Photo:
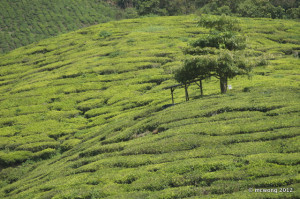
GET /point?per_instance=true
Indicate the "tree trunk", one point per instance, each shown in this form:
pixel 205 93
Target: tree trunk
pixel 130 4
pixel 223 84
pixel 172 90
pixel 201 89
pixel 186 7
pixel 186 93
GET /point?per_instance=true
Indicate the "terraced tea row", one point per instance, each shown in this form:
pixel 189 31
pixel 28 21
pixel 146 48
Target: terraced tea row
pixel 25 22
pixel 85 115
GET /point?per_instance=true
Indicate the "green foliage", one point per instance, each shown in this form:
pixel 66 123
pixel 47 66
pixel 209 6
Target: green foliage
pixel 34 147
pixel 223 23
pixel 105 34
pixel 224 64
pixel 293 13
pixel 69 144
pixel 25 22
pixel 194 68
pixel 130 13
pixel 260 8
pixel 248 8
pixel 223 40
pixel 12 158
pixel 76 122
pixel 44 154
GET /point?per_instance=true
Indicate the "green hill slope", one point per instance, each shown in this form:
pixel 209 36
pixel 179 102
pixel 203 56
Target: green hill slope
pixel 26 21
pixel 83 116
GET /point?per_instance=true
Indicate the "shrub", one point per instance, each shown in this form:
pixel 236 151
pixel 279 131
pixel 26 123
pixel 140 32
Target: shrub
pixel 257 8
pixel 131 41
pixel 12 158
pixel 130 13
pixel 90 104
pixel 157 181
pixel 69 144
pixel 294 13
pixel 105 34
pixel 44 154
pixel 38 146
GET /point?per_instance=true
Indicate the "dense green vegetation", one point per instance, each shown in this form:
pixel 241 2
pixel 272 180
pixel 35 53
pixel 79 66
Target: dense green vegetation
pixel 23 22
pixel 83 115
pixel 217 54
pixel 245 8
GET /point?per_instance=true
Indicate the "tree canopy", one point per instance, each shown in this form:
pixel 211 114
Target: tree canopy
pixel 245 8
pixel 218 54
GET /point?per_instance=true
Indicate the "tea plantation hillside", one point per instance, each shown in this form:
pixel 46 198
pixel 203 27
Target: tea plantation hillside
pixel 83 115
pixel 23 22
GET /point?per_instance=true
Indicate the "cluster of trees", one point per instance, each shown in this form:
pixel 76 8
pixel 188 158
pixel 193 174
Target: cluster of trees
pixel 218 54
pixel 244 8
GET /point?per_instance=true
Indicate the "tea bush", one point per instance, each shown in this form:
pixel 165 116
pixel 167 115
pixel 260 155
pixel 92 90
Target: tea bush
pixel 77 122
pixel 44 154
pixel 15 157
pixel 48 20
pixel 69 144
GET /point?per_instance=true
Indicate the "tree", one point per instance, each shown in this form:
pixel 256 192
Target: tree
pixel 217 54
pixel 286 4
pixel 193 70
pixel 260 8
pixel 246 8
pixel 227 65
pixel 124 3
